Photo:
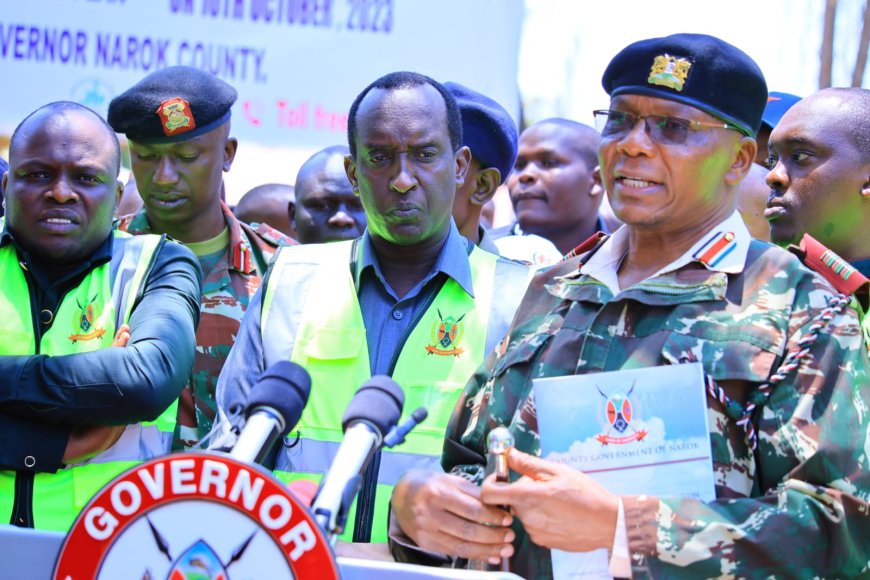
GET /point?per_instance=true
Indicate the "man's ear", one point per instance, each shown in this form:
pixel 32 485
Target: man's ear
pixel 463 162
pixel 744 157
pixel 291 212
pixel 486 184
pixel 597 187
pixel 230 148
pixel 350 170
pixel 119 193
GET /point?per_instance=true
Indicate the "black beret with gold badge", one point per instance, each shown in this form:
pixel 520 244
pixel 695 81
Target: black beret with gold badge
pixel 172 104
pixel 695 69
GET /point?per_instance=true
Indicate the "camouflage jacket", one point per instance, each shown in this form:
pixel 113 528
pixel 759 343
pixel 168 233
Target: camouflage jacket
pixel 806 486
pixel 227 288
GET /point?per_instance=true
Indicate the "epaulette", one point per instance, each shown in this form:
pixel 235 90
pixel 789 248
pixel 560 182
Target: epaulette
pixel 273 236
pixel 837 271
pixel 587 245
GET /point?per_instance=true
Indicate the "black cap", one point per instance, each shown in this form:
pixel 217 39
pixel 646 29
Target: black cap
pixel 172 104
pixel 695 69
pixel 487 129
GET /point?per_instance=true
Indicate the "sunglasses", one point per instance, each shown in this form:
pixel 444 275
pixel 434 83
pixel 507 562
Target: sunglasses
pixel 662 129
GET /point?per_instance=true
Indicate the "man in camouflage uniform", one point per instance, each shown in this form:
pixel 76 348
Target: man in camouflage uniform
pixel 682 281
pixel 177 121
pixel 820 185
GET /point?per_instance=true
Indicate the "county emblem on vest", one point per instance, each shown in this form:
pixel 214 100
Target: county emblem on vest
pixel 446 336
pixel 84 325
pixel 619 414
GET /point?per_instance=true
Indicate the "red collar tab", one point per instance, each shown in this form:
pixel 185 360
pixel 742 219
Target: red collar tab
pixel 832 267
pixel 240 248
pixel 716 248
pixel 585 246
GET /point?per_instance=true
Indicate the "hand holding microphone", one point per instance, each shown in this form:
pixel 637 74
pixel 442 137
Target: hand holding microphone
pixel 499 443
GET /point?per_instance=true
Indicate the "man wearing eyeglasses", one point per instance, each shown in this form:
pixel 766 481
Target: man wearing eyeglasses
pixel 682 281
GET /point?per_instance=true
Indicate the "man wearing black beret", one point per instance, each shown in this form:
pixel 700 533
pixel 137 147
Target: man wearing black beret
pixel 177 121
pixel 489 131
pixel 784 369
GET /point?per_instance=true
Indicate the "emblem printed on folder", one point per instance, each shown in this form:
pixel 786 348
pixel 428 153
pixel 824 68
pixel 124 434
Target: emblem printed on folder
pixel 669 71
pixel 620 415
pixel 446 336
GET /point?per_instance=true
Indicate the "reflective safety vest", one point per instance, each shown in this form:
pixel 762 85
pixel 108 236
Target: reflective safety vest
pixel 85 321
pixel 311 315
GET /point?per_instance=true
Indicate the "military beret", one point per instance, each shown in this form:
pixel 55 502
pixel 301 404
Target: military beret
pixel 487 129
pixel 695 69
pixel 172 104
pixel 777 105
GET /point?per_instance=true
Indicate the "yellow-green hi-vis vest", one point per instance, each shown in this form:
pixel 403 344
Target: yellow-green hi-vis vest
pixel 85 321
pixel 311 315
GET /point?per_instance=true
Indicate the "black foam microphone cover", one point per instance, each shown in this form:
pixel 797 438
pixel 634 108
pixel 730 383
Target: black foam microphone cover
pixel 285 387
pixel 378 401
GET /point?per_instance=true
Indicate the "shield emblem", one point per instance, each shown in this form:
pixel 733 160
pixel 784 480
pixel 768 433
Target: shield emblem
pixel 618 409
pixel 198 562
pixel 446 332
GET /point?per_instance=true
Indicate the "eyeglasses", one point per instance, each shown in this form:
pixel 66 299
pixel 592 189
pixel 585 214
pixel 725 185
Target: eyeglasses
pixel 662 129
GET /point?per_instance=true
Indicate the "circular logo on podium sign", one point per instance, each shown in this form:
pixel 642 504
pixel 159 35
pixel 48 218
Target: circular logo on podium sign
pixel 195 515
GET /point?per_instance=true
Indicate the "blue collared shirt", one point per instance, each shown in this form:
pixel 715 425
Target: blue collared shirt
pixel 389 320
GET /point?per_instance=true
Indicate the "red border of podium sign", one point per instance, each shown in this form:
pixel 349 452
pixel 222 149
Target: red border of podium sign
pixel 200 477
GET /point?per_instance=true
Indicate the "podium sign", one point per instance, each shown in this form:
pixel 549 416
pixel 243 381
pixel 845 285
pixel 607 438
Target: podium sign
pixel 195 514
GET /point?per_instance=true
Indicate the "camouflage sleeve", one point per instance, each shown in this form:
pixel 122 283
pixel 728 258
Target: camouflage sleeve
pixel 808 511
pixel 243 367
pixel 460 455
pixel 491 398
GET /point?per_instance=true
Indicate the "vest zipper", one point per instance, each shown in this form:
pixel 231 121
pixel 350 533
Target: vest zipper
pixel 22 505
pixel 365 502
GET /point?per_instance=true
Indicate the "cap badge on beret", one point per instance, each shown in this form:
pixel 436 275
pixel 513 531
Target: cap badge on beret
pixel 669 71
pixel 175 116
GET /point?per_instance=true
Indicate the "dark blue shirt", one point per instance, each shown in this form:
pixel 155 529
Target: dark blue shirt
pixel 388 319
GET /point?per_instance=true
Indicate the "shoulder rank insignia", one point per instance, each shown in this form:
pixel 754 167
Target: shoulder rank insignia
pixel 446 336
pixel 716 248
pixel 587 245
pixel 273 236
pixel 832 267
pixel 669 71
pixel 175 116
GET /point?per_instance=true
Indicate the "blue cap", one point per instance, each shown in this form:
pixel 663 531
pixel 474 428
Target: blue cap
pixel 777 105
pixel 487 129
pixel 172 104
pixel 702 71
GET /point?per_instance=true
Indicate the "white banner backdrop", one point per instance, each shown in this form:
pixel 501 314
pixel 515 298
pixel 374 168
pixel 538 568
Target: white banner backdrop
pixel 297 64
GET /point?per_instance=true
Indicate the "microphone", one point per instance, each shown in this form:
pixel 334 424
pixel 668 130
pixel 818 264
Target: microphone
pixel 372 413
pixel 396 436
pixel 274 407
